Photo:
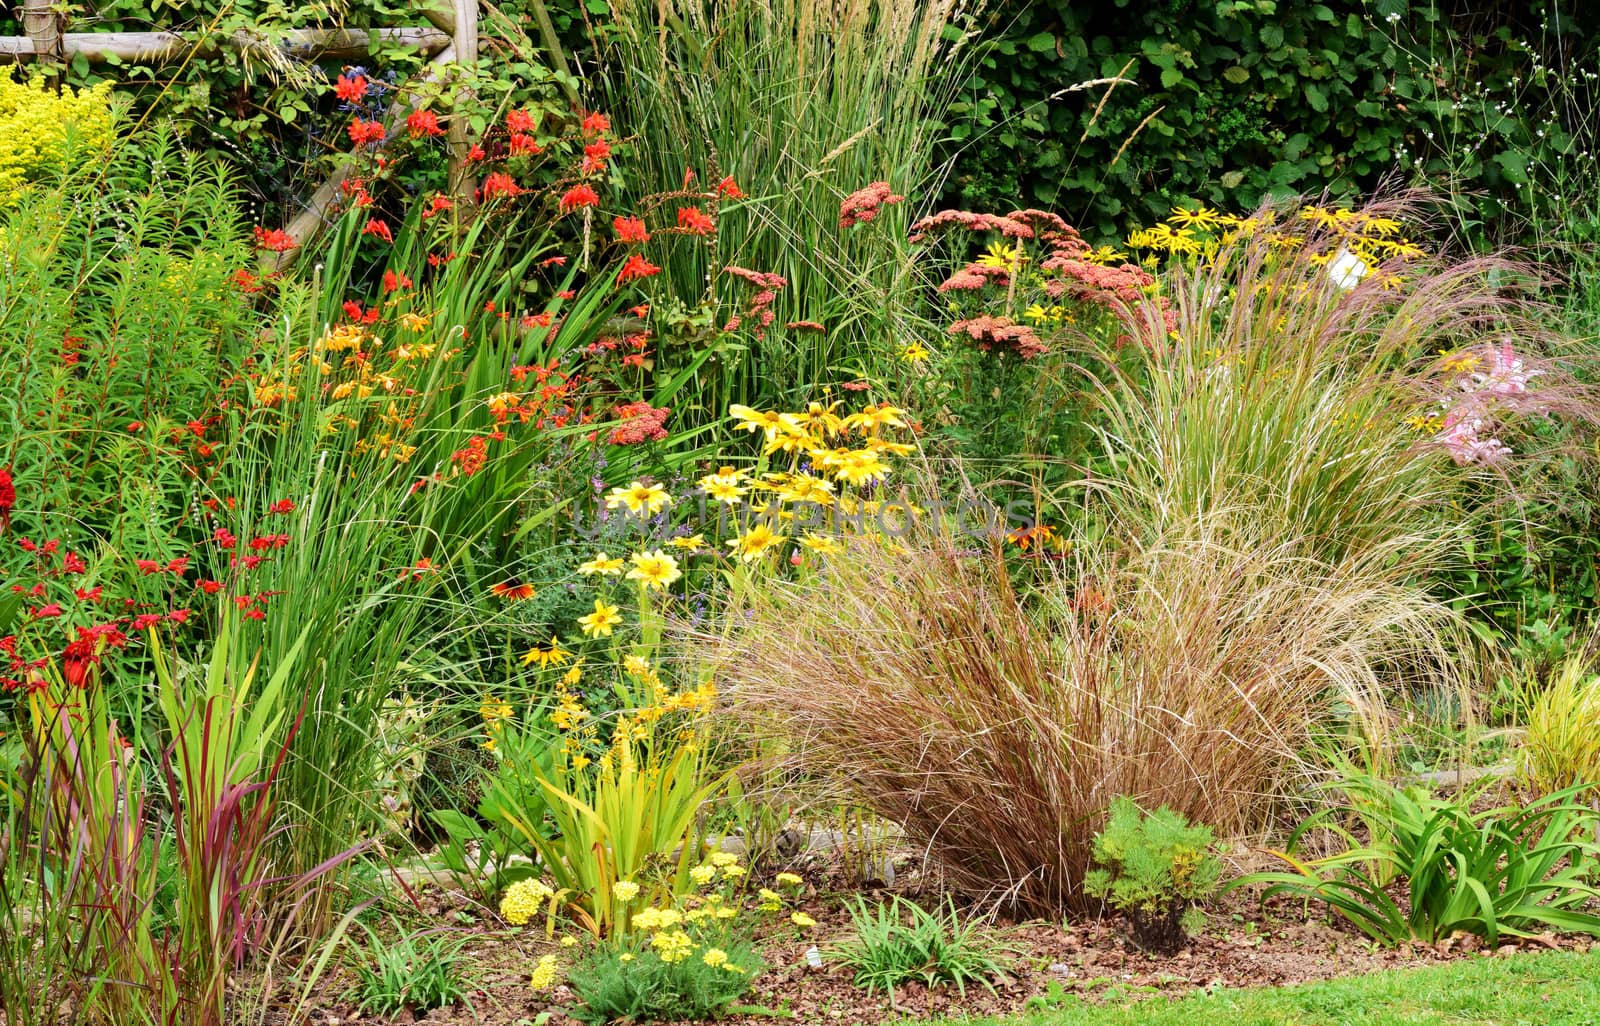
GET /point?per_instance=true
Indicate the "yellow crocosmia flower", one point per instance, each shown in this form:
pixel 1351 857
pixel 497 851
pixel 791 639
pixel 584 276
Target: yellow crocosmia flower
pixel 754 543
pixel 493 709
pixel 769 422
pixel 555 655
pixel 639 498
pixel 414 321
pixel 601 564
pixel 600 622
pixel 503 403
pixel 654 569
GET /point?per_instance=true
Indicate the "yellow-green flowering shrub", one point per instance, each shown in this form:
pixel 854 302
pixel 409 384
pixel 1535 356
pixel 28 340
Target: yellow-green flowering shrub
pixel 38 128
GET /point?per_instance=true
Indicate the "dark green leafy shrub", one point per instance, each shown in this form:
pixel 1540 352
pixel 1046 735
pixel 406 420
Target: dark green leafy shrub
pixel 900 942
pixel 1229 102
pixel 1154 869
pixel 1516 870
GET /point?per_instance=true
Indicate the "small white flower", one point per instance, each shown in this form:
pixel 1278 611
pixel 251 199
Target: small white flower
pixel 1346 269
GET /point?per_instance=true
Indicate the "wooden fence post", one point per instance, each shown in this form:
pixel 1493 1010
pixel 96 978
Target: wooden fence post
pixel 466 48
pixel 43 27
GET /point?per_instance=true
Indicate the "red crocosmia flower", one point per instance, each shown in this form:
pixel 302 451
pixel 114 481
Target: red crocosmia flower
pixel 203 449
pixel 135 426
pixel 145 621
pixel 178 566
pixel 246 281
pixel 269 541
pixel 352 309
pixel 282 506
pixel 178 616
pixel 630 229
pixel 72 563
pixel 423 122
pixel 244 601
pixel 248 562
pixel 27 546
pixel 439 203
pixel 595 156
pixel 378 227
pixel 539 320
pixel 694 221
pixel 436 261
pixel 688 177
pixel 566 294
pixel 579 196
pixel 148 566
pixel 88 594
pixel 47 611
pixel 209 587
pixel 634 268
pixel 500 184
pixel 224 537
pixel 476 153
pixel 255 614
pixel 365 132
pixel 641 311
pixel 519 121
pixel 8 498
pixel 394 282
pixel 555 261
pixel 524 145
pixel 350 88
pixel 596 123
pixel 729 188
pixel 275 239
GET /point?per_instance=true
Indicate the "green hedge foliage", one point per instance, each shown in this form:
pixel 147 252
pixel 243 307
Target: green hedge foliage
pixel 1228 101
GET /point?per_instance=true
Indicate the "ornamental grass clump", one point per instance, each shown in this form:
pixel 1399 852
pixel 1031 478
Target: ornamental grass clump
pixel 996 728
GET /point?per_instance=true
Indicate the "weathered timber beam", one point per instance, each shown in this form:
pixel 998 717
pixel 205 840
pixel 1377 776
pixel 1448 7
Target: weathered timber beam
pixel 160 47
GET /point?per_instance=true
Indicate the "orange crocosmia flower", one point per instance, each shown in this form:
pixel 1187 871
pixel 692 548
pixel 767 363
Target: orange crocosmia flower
pixel 350 88
pixel 365 132
pixel 500 184
pixel 423 122
pixel 634 268
pixel 378 227
pixel 275 239
pixel 579 196
pixel 519 121
pixel 596 123
pixel 476 153
pixel 524 145
pixel 555 261
pixel 595 156
pixel 512 590
pixel 630 229
pixel 695 222
pixel 729 188
pixel 394 282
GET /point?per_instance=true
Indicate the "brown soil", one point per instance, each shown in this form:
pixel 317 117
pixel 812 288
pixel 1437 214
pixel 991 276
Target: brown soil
pixel 1244 944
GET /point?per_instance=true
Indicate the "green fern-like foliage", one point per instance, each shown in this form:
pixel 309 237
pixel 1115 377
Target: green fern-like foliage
pixel 1154 869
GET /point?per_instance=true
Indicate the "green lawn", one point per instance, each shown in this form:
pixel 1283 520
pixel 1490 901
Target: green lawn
pixel 1552 989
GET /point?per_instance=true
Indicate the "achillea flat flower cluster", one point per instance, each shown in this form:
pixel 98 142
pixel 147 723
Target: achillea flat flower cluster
pixel 864 205
pixel 641 422
pixel 1000 333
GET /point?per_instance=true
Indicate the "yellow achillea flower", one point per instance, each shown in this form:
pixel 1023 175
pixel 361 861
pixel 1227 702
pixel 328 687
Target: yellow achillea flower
pixel 625 890
pixel 544 974
pixel 714 957
pixel 802 920
pixel 672 947
pixel 522 900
